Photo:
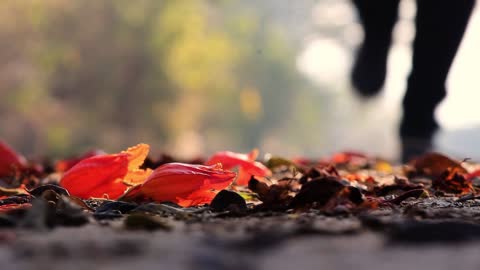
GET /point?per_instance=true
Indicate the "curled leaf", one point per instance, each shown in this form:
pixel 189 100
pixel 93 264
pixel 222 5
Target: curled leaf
pixel 453 180
pixel 435 164
pixel 319 190
pixel 414 193
pixel 184 184
pixel 276 196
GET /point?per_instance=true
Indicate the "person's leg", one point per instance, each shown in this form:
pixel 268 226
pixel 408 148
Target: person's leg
pixel 377 18
pixel 440 26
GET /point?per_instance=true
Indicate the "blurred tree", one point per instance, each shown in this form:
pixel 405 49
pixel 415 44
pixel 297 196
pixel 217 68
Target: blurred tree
pixel 181 74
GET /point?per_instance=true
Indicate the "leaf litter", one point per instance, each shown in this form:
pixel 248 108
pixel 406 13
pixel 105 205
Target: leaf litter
pixel 349 192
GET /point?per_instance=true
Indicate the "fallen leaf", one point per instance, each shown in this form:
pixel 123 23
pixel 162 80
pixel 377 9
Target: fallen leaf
pixel 453 181
pixel 435 164
pixel 319 190
pixel 321 171
pixel 400 185
pixel 38 191
pixel 274 196
pixel 414 193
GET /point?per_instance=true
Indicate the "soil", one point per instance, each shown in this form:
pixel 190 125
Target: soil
pixel 432 233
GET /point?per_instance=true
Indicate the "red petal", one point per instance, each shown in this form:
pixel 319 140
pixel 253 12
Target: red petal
pixel 245 161
pixel 66 164
pixel 10 160
pixel 243 177
pixel 348 157
pixel 256 168
pixel 111 190
pixel 136 155
pixel 229 159
pixel 196 198
pixel 473 174
pixel 97 176
pixel 185 184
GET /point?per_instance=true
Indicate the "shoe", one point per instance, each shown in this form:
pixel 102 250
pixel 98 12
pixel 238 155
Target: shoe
pixel 413 147
pixel 417 132
pixel 369 69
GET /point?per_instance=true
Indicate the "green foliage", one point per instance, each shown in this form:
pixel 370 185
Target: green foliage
pixel 113 73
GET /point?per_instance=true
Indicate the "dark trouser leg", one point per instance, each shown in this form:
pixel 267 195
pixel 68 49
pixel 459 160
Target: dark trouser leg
pixel 377 18
pixel 440 26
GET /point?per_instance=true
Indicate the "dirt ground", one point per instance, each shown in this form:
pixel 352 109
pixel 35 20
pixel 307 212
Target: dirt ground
pixel 102 248
pixel 421 234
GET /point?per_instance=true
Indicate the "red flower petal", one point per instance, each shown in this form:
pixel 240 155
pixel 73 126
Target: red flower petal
pixel 136 155
pixel 196 198
pixel 10 161
pixel 97 176
pixel 66 164
pixel 348 157
pixel 243 177
pixel 185 184
pixel 246 162
pixel 473 174
pixel 231 159
pixel 107 175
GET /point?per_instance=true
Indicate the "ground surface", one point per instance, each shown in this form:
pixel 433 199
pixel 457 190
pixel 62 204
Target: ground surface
pixel 361 213
pixel 384 238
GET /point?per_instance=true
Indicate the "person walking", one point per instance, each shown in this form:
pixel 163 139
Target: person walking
pixel 440 26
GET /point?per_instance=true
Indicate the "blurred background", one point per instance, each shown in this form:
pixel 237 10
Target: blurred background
pixel 193 77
